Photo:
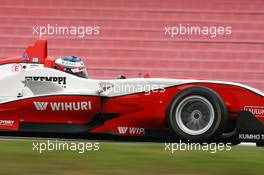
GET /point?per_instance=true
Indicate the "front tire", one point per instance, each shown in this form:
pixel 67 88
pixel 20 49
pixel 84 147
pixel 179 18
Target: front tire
pixel 197 114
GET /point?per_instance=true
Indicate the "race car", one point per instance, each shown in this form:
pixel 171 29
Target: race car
pixel 39 93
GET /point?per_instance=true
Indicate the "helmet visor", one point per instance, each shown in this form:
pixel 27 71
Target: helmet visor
pixel 80 72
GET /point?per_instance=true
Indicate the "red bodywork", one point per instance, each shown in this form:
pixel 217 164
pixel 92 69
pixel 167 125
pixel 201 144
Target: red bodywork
pixel 143 111
pixel 136 111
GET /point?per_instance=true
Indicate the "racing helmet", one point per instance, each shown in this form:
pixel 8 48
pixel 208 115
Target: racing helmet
pixel 72 65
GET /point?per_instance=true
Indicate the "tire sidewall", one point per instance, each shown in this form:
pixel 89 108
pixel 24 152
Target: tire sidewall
pixel 220 114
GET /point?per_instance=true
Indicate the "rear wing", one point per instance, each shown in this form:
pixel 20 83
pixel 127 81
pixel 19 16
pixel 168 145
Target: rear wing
pixel 37 53
pixel 34 56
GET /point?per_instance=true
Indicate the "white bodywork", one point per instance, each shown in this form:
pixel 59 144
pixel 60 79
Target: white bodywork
pixel 35 80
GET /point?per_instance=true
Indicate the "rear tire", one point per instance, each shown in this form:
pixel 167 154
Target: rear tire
pixel 197 114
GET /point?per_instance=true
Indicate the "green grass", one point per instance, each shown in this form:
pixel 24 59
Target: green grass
pixel 17 157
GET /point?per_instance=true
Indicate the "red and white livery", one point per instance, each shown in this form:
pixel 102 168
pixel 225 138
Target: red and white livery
pixel 36 96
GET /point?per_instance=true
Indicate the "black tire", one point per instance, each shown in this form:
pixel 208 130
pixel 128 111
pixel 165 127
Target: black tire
pixel 211 104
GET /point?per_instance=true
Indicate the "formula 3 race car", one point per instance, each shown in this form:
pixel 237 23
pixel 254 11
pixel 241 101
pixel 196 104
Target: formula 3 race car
pixel 41 94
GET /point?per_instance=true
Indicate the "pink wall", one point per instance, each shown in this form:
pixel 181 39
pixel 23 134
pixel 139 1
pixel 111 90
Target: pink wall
pixel 132 36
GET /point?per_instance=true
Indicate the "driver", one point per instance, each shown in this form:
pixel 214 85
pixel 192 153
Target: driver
pixel 72 65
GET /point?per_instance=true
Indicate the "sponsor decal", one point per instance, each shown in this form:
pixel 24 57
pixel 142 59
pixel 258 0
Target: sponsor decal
pixel 131 130
pixel 41 106
pixel 59 80
pixel 7 122
pixel 32 66
pixel 258 111
pixel 16 67
pixel 251 137
pixel 122 130
pixel 67 63
pixel 63 106
pixel 25 56
pixel 35 60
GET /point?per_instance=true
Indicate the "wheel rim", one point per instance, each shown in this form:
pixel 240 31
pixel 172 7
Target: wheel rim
pixel 195 115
